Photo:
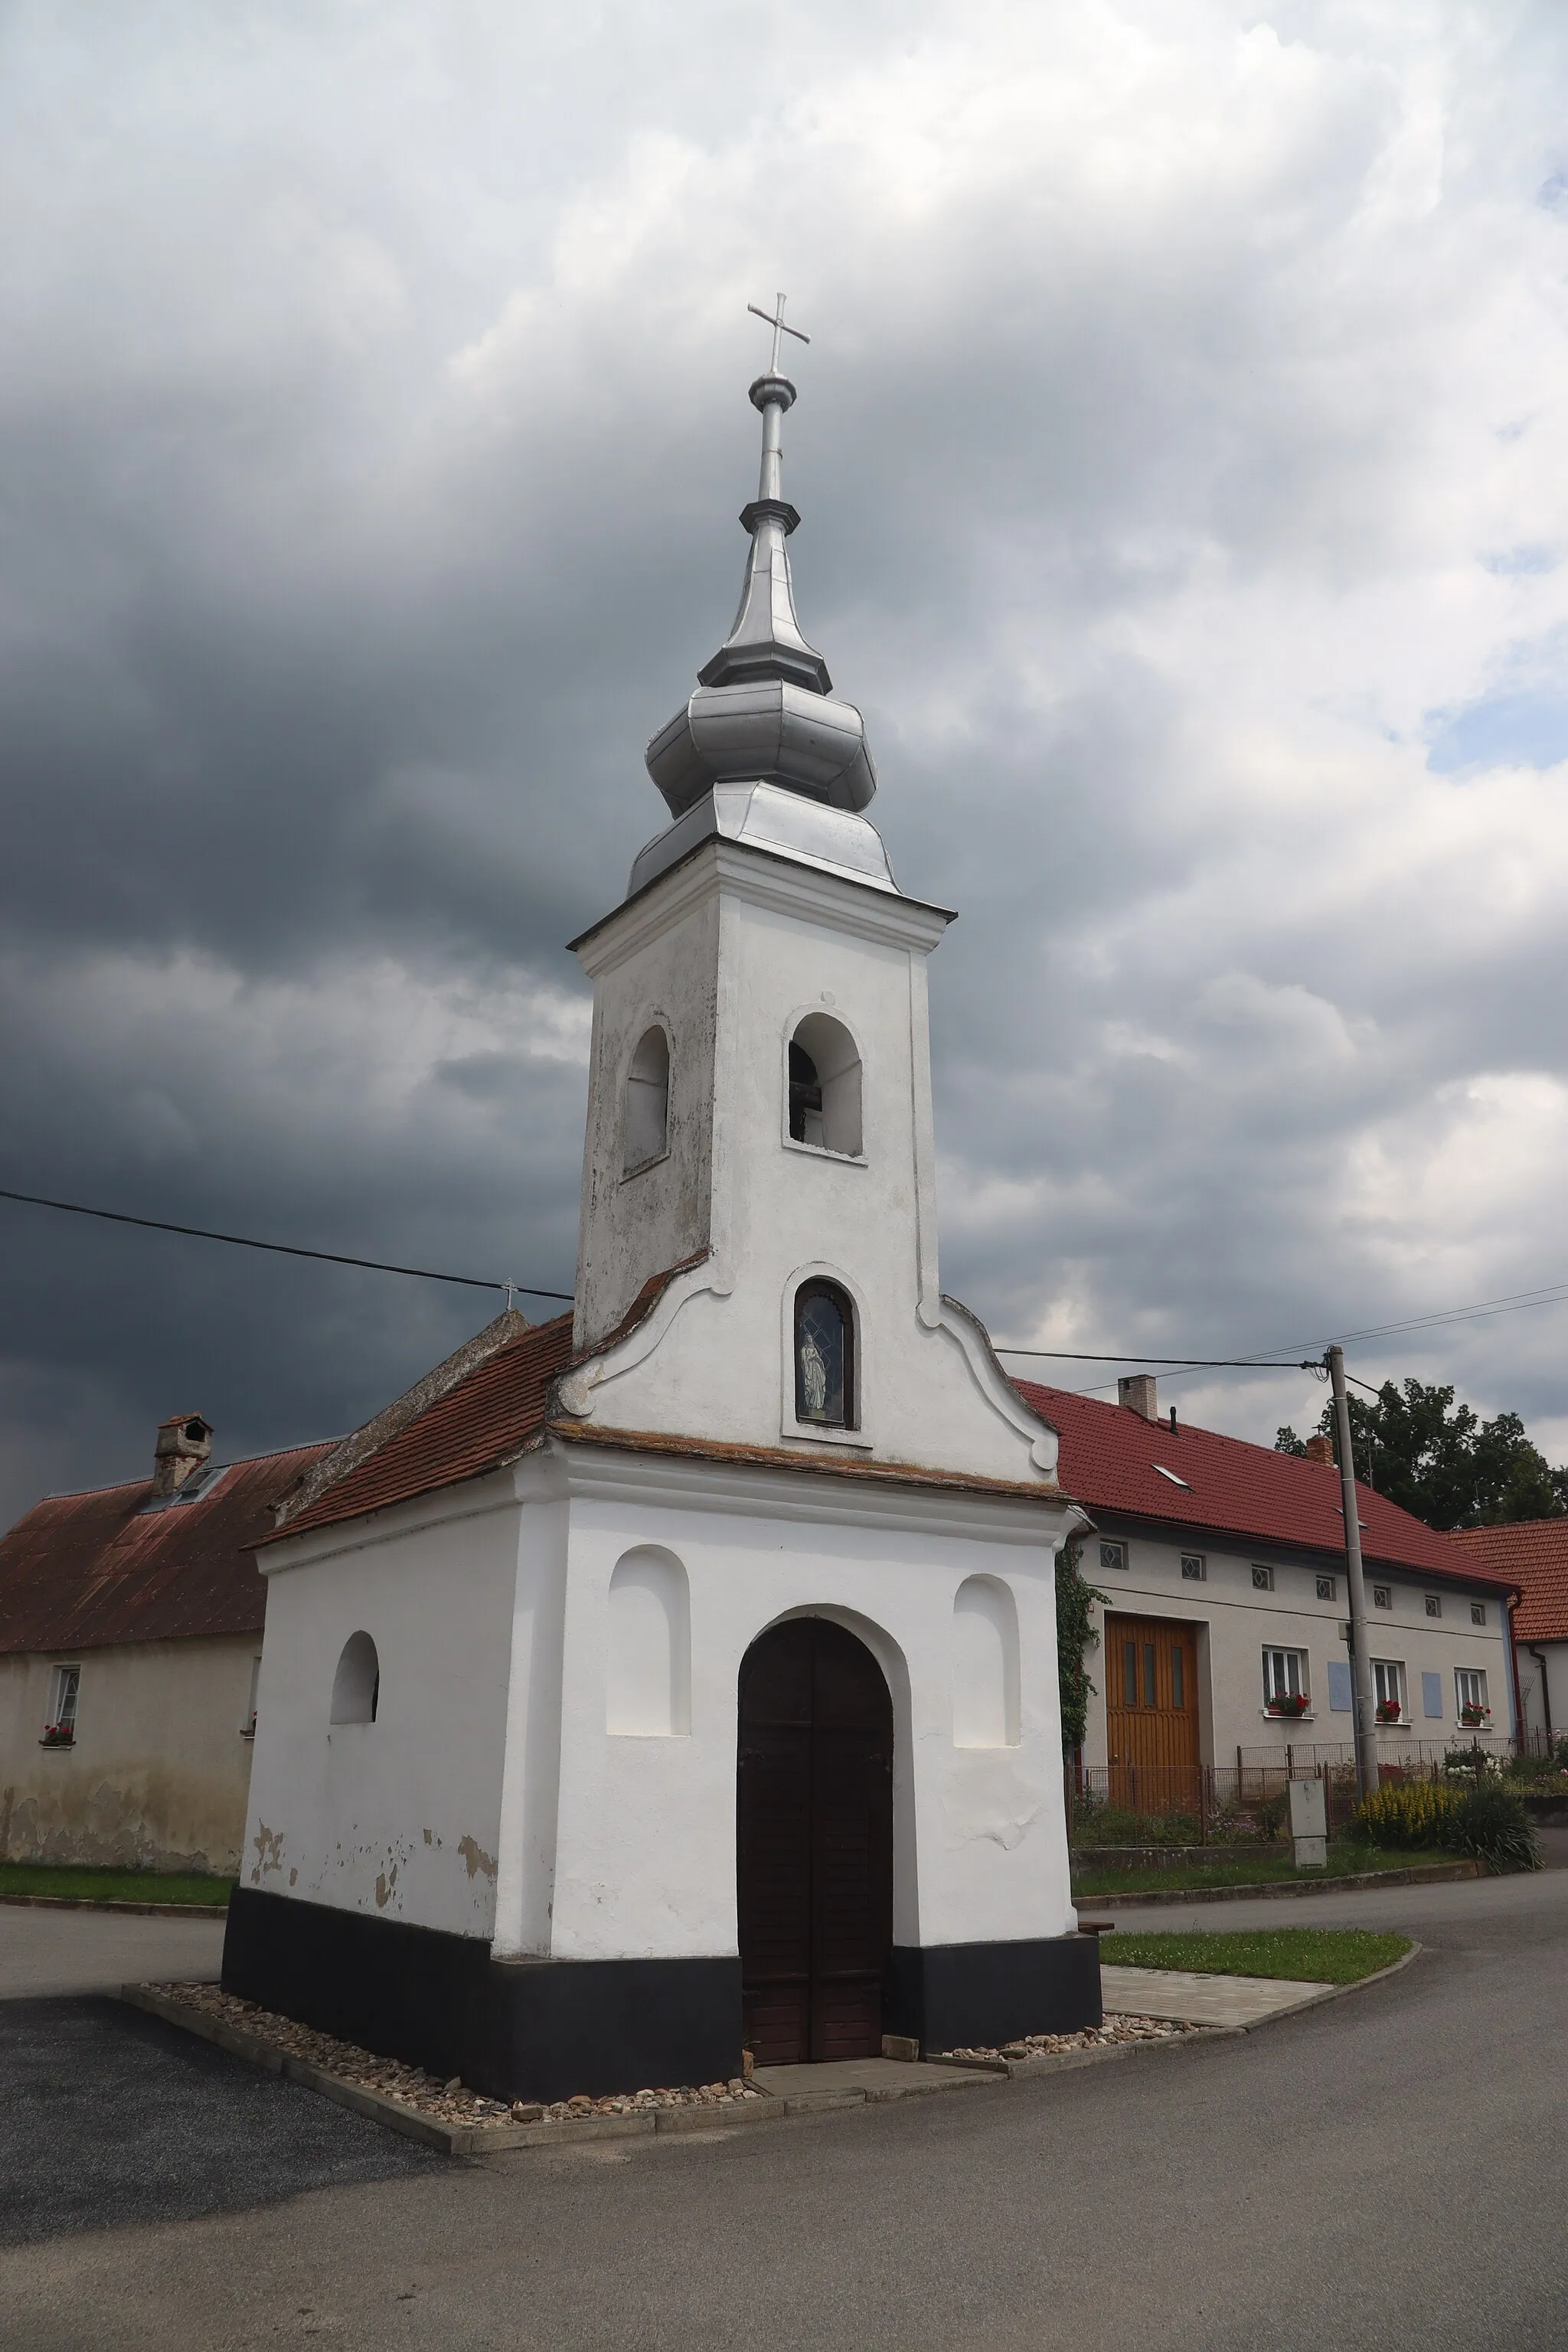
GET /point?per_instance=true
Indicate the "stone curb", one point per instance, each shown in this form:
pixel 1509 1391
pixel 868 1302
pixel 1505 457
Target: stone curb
pixel 106 1902
pixel 449 2139
pixel 489 2139
pixel 1431 1873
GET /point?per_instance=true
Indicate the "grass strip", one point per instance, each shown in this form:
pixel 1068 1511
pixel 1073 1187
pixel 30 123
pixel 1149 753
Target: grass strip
pixel 1337 1956
pixel 88 1885
pixel 1345 1860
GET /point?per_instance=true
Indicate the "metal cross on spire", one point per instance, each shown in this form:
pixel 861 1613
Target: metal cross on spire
pixel 775 320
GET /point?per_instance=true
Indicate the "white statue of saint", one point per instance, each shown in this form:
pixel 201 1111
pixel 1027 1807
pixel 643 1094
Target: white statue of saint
pixel 812 1376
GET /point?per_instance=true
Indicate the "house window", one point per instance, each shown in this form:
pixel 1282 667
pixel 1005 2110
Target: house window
pixel 1285 1681
pixel 1383 1596
pixel 1388 1689
pixel 823 1087
pixel 1434 1604
pixel 1325 1588
pixel 824 1356
pixel 1129 1674
pixel 1263 1580
pixel 1478 1612
pixel 1470 1697
pixel 1194 1568
pixel 646 1132
pixel 60 1732
pixel 1112 1555
pixel 247 1729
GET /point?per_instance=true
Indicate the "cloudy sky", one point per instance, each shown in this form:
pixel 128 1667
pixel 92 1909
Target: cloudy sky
pixel 1180 450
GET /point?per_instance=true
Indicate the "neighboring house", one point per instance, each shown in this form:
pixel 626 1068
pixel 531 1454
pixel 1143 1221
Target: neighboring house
pixel 131 1627
pixel 1222 1632
pixel 1533 1554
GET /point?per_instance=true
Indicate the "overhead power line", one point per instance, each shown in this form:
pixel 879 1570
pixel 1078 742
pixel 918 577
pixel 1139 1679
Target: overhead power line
pixel 285 1249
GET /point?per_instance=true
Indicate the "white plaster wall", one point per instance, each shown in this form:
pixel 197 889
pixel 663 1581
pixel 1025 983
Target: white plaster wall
pixel 633 1226
pixel 646 1826
pixel 401 1817
pixel 158 1774
pixel 1235 1622
pixel 1554 1658
pixel 721 1368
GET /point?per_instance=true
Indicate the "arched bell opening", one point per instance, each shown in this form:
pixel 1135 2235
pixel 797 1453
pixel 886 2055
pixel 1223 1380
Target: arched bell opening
pixel 814 1844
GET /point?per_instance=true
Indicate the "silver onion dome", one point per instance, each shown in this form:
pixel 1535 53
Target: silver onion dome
pixel 764 711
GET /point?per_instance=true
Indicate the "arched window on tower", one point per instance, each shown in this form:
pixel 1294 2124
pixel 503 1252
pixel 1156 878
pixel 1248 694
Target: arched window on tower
pixel 824 1086
pixel 647 1125
pixel 356 1685
pixel 824 1356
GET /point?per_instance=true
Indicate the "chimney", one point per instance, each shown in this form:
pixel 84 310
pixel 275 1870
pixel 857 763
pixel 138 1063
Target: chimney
pixel 1137 1393
pixel 1321 1449
pixel 185 1442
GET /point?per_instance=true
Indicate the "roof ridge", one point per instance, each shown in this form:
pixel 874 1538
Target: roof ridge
pixel 503 1331
pixel 231 1461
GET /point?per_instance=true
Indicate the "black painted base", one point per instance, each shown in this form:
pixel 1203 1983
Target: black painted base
pixel 978 1996
pixel 512 2029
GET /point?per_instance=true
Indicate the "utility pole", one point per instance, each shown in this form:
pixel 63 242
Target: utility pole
pixel 1365 1717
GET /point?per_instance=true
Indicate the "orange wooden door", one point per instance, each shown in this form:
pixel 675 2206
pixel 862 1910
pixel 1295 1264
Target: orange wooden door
pixel 1151 1714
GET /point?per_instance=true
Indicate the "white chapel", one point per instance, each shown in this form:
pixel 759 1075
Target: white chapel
pixel 679 1676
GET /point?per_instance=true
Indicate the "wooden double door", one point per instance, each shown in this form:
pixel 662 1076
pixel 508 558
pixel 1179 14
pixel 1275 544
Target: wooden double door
pixel 1151 1714
pixel 815 1840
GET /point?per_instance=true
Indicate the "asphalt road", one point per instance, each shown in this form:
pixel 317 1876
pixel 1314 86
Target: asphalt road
pixel 45 1951
pixel 1391 2167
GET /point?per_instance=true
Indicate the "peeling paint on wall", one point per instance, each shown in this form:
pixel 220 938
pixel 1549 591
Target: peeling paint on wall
pixel 475 1857
pixel 269 1844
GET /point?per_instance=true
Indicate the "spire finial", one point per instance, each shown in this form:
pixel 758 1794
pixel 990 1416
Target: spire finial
pixel 763 711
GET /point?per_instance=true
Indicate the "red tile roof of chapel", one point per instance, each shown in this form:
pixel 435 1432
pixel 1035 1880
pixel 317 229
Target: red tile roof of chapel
pixel 1115 1461
pixel 487 1418
pixel 1532 1554
pixel 86 1572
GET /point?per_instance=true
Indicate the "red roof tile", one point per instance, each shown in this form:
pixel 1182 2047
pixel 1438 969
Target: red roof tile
pixel 1112 1460
pixel 1532 1554
pixel 485 1420
pixel 84 1571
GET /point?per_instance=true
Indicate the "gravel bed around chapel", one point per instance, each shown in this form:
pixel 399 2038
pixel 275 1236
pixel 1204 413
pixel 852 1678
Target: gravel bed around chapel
pixel 447 2102
pixel 1117 2029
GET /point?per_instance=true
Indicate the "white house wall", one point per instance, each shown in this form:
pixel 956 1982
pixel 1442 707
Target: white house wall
pixel 1235 1623
pixel 399 1817
pixel 1553 1657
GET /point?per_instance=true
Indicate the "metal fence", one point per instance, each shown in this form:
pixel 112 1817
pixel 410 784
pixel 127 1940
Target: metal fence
pixel 1246 1802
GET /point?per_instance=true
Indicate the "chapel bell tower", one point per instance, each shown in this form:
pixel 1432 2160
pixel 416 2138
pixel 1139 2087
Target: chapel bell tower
pixel 757 1261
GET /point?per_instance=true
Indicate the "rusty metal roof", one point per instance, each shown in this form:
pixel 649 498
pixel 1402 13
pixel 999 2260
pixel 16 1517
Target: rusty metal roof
pixel 86 1572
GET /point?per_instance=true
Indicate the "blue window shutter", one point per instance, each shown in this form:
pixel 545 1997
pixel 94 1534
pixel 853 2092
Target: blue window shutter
pixel 1339 1687
pixel 1432 1696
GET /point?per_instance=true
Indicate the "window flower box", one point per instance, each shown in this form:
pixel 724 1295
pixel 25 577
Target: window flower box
pixel 1475 1718
pixel 1389 1710
pixel 1293 1704
pixel 58 1735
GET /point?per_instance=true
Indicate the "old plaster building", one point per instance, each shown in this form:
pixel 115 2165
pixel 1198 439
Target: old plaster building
pixel 130 1624
pixel 1534 1553
pixel 683 1673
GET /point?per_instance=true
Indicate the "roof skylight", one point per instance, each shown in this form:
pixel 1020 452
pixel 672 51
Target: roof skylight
pixel 1173 1478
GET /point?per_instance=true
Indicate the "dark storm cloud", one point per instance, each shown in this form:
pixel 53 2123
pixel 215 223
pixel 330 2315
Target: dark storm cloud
pixel 371 440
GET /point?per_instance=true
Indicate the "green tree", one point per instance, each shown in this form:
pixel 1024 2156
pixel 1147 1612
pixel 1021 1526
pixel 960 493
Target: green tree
pixel 1442 1461
pixel 1076 1637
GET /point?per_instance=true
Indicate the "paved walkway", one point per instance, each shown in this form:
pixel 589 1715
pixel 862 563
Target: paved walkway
pixel 1201 2001
pixel 848 2080
pixel 46 1952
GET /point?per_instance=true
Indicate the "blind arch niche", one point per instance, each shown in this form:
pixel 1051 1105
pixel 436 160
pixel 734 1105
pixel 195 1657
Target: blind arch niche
pixel 984 1664
pixel 647 1679
pixel 356 1685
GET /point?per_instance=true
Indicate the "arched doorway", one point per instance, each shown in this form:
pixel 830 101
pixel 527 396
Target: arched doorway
pixel 815 1844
